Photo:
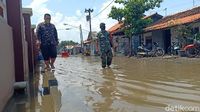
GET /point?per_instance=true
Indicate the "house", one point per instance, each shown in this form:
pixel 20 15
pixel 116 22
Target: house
pixel 69 49
pixel 91 44
pixel 77 49
pixel 137 40
pixel 15 43
pixel 164 30
pixel 7 69
pixel 86 47
pixel 94 44
pixel 119 40
pixel 73 49
pixel 154 17
pixel 123 44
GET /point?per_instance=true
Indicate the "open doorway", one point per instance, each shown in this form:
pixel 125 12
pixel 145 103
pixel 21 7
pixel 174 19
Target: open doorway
pixel 167 39
pixel 149 42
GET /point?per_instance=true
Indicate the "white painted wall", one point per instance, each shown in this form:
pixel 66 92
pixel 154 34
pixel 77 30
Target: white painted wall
pixel 25 51
pixel 7 77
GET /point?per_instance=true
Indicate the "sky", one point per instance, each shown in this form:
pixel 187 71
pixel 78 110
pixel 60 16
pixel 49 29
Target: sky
pixel 72 12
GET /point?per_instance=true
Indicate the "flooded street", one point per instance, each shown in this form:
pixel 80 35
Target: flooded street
pixel 79 84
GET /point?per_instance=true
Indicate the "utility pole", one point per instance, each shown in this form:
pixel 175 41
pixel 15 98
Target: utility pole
pixel 81 33
pixel 88 18
pixel 81 36
pixel 193 3
pixel 165 11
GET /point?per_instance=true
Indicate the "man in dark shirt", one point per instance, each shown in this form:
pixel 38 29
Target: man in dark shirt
pixel 48 39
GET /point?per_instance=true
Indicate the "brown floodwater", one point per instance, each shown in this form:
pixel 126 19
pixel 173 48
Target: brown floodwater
pixel 130 85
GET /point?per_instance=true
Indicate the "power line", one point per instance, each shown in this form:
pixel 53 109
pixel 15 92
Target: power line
pixel 76 27
pixel 104 8
pixel 82 13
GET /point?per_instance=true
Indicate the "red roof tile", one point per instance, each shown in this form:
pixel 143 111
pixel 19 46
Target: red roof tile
pixel 176 19
pixel 116 27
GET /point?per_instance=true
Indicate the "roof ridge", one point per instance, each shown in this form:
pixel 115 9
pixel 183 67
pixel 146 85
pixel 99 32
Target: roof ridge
pixel 178 15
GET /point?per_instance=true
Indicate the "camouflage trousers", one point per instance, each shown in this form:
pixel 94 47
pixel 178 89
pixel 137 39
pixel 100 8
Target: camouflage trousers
pixel 106 58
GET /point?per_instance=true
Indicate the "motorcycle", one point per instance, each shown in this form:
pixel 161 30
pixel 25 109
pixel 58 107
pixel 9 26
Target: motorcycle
pixel 155 52
pixel 192 50
pixel 174 48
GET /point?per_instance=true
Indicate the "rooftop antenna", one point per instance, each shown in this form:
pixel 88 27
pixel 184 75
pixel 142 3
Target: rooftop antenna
pixel 165 11
pixel 193 3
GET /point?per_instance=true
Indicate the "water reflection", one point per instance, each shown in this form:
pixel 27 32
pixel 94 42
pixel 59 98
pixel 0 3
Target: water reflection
pixel 40 96
pixel 50 100
pixel 107 90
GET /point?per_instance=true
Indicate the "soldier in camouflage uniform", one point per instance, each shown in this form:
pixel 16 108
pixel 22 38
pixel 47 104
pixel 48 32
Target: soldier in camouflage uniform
pixel 105 46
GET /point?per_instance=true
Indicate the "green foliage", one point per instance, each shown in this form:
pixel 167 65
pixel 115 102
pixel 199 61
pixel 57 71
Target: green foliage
pixel 186 34
pixel 116 13
pixel 184 31
pixel 62 44
pixel 132 14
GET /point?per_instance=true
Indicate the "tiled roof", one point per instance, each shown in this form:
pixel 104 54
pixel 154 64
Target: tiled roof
pixel 87 41
pixel 176 19
pixel 154 14
pixel 116 27
pixel 120 25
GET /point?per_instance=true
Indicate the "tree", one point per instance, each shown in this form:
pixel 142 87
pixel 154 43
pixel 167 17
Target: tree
pixel 132 14
pixel 184 34
pixel 62 44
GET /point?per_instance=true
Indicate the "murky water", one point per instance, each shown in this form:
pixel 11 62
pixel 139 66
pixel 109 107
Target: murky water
pixel 130 85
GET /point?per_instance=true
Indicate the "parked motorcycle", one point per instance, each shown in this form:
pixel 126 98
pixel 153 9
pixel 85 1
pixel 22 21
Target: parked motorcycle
pixel 156 50
pixel 192 50
pixel 174 48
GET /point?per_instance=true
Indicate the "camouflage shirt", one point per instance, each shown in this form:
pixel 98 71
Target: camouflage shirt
pixel 47 34
pixel 104 41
